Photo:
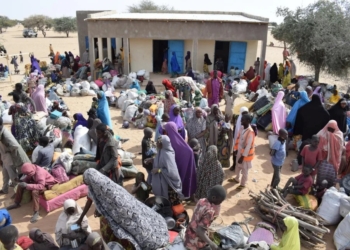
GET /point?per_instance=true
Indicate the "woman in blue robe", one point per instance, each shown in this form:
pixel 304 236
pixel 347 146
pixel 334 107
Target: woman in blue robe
pixel 293 113
pixel 103 110
pixel 175 67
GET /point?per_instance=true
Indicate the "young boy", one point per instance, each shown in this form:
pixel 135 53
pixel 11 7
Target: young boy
pixel 319 190
pixel 230 100
pixel 311 155
pixel 205 212
pixel 196 148
pixel 20 57
pixel 141 188
pixel 147 152
pixel 8 238
pixel 138 117
pixel 301 184
pixel 278 155
pixel 45 154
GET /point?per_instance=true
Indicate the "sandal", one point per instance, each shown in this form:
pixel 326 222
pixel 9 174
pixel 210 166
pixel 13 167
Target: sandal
pixel 240 187
pixel 233 180
pixel 35 217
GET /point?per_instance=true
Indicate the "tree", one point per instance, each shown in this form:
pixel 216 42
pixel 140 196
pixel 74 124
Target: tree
pixel 5 23
pixel 319 36
pixel 148 5
pixel 65 25
pixel 38 23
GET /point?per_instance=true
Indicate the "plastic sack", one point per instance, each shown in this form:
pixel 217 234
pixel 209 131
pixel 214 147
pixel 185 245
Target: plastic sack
pixel 120 100
pixel 81 139
pixel 132 94
pixel 132 75
pixel 59 173
pixel 231 236
pixel 329 208
pixel 129 171
pixel 94 86
pixel 75 91
pixel 141 72
pixel 6 118
pixel 126 104
pixel 85 92
pixel 65 159
pixel 341 235
pixel 240 87
pixel 307 201
pixel 344 206
pixel 85 85
pixel 129 113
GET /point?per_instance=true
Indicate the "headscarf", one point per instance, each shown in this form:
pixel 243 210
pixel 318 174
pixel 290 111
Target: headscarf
pixel 29 169
pixel 93 238
pixel 311 118
pixel 39 98
pixel 238 123
pixel 5 218
pixel 158 117
pixel 278 113
pixel 317 92
pixel 24 242
pixel 35 64
pixel 103 110
pixel 290 238
pixel 297 105
pixel 250 74
pixel 204 103
pixel 150 89
pixel 175 67
pixel 80 120
pixel 267 72
pixel 274 73
pixel 188 55
pixel 184 159
pixel 48 244
pixel 168 86
pixel 168 102
pixel 92 131
pixel 254 84
pixel 207 60
pixel 65 220
pixel 165 160
pixel 129 218
pixel 331 143
pixel 212 125
pixel 338 114
pixel 176 118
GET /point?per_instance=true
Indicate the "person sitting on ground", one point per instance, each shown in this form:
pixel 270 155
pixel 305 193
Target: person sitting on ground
pixel 45 154
pixel 56 106
pixel 150 89
pixel 141 188
pixel 335 97
pixel 206 210
pixel 107 154
pixel 24 98
pixel 37 180
pixel 312 155
pixel 64 232
pixel 5 218
pixel 8 238
pixel 290 238
pixel 319 190
pixel 95 242
pixel 42 241
pixel 278 156
pixel 138 117
pixel 299 185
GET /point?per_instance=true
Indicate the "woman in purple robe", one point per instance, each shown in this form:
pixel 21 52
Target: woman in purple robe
pixel 175 117
pixel 184 160
pixel 35 64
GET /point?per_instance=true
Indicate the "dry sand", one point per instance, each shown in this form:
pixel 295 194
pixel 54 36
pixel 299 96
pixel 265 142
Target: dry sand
pixel 238 204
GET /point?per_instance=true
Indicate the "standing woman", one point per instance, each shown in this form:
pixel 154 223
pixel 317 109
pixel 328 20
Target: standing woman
pixel 65 65
pixel 338 113
pixel 39 98
pixel 207 63
pixel 292 116
pixel 184 160
pixel 165 61
pixel 273 74
pixel 168 101
pixel 166 180
pixel 279 113
pixel 212 122
pixel 196 128
pixel 150 89
pixel 175 117
pixel 188 61
pixel 103 110
pixel 209 173
pixel 175 67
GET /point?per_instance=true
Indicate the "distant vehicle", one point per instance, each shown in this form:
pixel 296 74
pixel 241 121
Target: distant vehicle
pixel 29 33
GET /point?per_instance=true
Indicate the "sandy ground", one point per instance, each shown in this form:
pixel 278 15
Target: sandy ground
pixel 236 207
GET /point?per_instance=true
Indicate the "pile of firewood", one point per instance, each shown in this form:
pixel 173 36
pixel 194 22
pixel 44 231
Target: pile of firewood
pixel 273 208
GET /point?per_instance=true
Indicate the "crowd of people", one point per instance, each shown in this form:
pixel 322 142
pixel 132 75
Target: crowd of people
pixel 184 161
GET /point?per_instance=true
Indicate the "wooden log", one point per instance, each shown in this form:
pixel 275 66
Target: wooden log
pixel 313 238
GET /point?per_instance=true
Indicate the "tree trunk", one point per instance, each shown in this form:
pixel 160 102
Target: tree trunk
pixel 44 33
pixel 317 73
pixel 0 30
pixel 67 33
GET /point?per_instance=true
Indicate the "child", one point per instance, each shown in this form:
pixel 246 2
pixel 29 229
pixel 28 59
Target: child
pixel 230 100
pixel 138 117
pixel 94 103
pixel 20 57
pixel 45 154
pixel 301 184
pixel 141 188
pixel 278 155
pixel 8 238
pixel 225 142
pixel 205 212
pixel 147 148
pixel 196 148
pixel 311 155
pixel 165 119
pixel 320 190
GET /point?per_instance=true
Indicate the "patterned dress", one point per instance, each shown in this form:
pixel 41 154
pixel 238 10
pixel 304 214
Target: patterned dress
pixel 209 172
pixel 204 214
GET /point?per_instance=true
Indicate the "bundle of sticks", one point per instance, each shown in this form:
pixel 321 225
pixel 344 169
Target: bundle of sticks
pixel 273 208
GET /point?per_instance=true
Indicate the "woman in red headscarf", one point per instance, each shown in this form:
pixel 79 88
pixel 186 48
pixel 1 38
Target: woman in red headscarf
pixel 254 84
pixel 250 74
pixel 168 86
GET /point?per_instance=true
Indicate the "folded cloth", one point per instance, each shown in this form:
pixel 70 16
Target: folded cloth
pixel 59 189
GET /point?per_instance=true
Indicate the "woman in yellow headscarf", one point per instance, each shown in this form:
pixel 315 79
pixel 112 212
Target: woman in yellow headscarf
pixel 290 238
pixel 280 71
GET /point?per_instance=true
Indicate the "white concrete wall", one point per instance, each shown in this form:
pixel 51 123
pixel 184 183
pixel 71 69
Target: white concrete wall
pixel 141 54
pixel 205 47
pixel 251 54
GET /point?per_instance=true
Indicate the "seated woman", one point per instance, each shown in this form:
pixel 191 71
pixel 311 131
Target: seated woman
pixel 5 218
pixel 142 229
pixel 175 117
pixel 70 216
pixel 79 120
pixel 42 241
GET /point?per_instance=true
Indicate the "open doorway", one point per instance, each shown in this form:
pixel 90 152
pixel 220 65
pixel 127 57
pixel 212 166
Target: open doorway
pixel 222 50
pixel 158 54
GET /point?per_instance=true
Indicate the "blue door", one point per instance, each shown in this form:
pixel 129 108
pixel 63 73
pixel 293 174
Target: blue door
pixel 113 42
pixel 176 46
pixel 86 42
pixel 237 55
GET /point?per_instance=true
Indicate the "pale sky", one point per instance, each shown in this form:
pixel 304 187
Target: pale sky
pixel 20 9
